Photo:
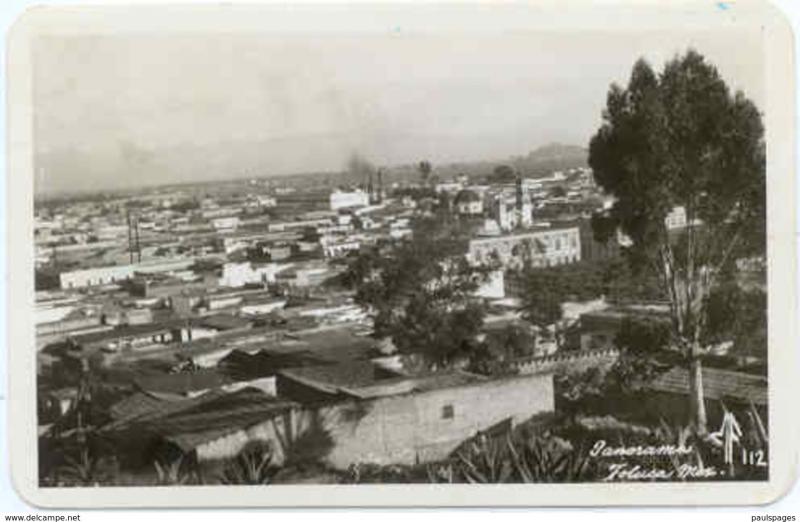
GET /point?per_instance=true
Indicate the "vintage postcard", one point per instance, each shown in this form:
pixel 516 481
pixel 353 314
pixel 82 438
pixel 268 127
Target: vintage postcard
pixel 402 254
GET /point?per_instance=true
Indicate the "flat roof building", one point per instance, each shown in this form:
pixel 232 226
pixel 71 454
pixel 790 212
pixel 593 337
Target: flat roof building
pixel 542 247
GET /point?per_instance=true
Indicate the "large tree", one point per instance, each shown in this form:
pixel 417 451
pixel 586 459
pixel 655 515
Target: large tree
pixel 420 291
pixel 682 139
pixel 543 307
pixel 502 174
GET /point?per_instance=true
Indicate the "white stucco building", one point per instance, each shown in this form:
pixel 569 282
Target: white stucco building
pixel 541 247
pixel 340 199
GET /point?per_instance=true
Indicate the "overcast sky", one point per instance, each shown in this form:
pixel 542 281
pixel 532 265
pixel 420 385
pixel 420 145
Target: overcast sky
pixel 120 111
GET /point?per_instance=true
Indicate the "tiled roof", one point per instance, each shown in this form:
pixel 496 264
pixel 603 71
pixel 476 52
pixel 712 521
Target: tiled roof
pixel 224 322
pixel 217 418
pixel 437 381
pixel 365 379
pixel 717 385
pixel 332 377
pixel 183 383
pixel 191 422
pixel 134 406
pixel 241 365
pixel 141 408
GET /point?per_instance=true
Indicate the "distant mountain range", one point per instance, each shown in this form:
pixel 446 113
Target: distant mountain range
pixel 539 162
pixel 193 166
pixel 554 156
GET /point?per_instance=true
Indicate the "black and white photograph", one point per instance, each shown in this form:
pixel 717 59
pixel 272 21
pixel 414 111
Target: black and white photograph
pixel 402 255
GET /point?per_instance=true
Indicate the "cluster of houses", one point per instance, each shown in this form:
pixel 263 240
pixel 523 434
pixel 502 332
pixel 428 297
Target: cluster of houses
pixel 217 322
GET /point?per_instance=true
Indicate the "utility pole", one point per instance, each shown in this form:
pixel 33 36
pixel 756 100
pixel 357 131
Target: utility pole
pixel 133 238
pixel 138 246
pixel 130 237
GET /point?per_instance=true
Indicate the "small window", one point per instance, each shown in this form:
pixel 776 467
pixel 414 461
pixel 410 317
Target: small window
pixel 447 412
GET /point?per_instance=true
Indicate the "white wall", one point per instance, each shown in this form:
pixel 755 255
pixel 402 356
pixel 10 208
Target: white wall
pixel 340 200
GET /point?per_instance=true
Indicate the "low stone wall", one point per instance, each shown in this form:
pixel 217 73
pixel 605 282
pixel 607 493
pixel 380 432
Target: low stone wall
pixel 567 362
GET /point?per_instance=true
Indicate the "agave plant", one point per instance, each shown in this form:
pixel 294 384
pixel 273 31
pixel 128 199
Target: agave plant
pixel 681 437
pixel 484 462
pixel 369 473
pixel 547 459
pixel 441 473
pixel 175 473
pixel 513 459
pixel 759 427
pixel 82 470
pixel 251 467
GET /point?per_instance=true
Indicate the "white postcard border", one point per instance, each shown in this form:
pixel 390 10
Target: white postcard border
pixel 781 140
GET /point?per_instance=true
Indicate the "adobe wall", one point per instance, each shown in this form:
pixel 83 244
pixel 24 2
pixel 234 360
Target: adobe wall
pixel 414 427
pixel 401 429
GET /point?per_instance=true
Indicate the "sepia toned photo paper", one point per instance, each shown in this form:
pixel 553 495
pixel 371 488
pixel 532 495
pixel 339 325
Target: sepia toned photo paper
pixel 418 254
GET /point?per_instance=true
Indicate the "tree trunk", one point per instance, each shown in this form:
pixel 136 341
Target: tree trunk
pixel 697 405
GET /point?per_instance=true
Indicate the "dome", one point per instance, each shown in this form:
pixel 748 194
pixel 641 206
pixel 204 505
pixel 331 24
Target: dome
pixel 467 196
